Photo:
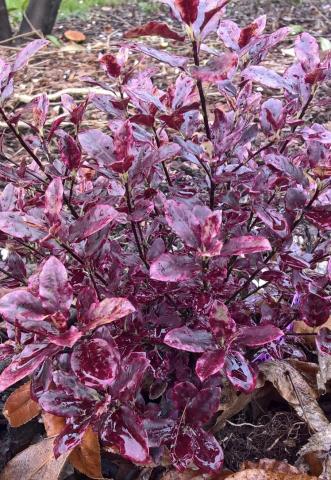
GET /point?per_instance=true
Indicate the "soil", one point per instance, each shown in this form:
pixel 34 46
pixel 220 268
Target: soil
pixel 253 434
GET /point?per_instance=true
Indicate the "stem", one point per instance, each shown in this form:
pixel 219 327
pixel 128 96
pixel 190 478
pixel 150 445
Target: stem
pixel 133 225
pixel 21 140
pixel 163 163
pixel 302 114
pixel 203 104
pixel 12 277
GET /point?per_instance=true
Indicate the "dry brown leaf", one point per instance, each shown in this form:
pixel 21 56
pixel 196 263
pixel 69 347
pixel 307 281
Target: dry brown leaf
pixel 270 465
pixel 53 424
pixel 324 373
pixel 35 463
pixel 75 36
pixel 19 408
pixel 260 474
pixel 301 327
pixel 294 388
pixel 192 475
pixel 317 453
pixel 86 456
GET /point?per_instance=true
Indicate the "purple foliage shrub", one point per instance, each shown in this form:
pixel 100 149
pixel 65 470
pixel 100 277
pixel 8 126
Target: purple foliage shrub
pixel 155 262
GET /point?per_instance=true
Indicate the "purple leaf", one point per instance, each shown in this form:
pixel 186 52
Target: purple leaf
pixel 94 220
pixel 95 362
pixel 274 220
pixel 307 51
pixel 71 154
pixel 209 363
pixel 221 323
pixel 266 77
pixel 98 146
pixel 208 454
pixel 172 60
pixel 258 335
pixel 245 245
pixel 111 65
pixel 272 116
pixel 22 226
pixel 203 406
pixel 21 305
pixel 124 430
pixel 130 377
pixel 323 341
pixel 54 289
pixel 25 363
pixel 27 52
pixel 184 338
pixel 123 148
pixel 173 268
pixel 54 200
pixel 109 310
pixel 314 309
pixel 70 437
pixel 239 372
pixel 220 68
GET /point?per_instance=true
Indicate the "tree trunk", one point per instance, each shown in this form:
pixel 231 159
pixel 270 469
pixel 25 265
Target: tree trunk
pixel 41 14
pixel 5 29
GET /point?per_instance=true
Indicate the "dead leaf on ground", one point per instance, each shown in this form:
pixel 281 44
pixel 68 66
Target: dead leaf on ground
pixel 192 475
pixel 53 424
pixel 294 388
pixel 86 456
pixel 75 36
pixel 270 465
pixel 19 408
pixel 301 327
pixel 35 463
pixel 324 373
pixel 259 474
pixel 317 453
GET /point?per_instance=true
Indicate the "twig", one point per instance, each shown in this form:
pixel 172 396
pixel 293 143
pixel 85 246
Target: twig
pixel 133 225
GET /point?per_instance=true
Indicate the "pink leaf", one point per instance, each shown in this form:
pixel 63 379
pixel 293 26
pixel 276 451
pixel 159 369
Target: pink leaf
pixel 54 199
pixel 184 338
pixel 94 220
pixel 258 335
pixel 109 310
pixel 210 363
pixel 54 289
pixel 26 53
pixel 245 245
pixel 173 268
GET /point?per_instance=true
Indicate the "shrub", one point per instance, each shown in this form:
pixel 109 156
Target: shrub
pixel 162 259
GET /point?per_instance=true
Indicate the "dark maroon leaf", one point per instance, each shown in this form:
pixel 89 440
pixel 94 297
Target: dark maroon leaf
pixel 95 362
pixel 203 406
pixel 258 335
pixel 124 430
pixel 94 220
pixel 130 377
pixel 210 363
pixel 239 372
pixel 221 68
pixel 184 338
pixel 70 437
pixel 123 148
pixel 154 28
pixel 315 310
pixel 25 363
pixel 71 154
pixel 111 65
pixel 208 454
pixel 98 146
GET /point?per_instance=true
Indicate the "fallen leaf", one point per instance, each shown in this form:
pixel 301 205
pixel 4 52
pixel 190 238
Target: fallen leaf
pixel 294 388
pixel 35 463
pixel 75 36
pixel 259 474
pixel 317 454
pixel 270 465
pixel 86 457
pixel 53 424
pixel 19 408
pixel 193 475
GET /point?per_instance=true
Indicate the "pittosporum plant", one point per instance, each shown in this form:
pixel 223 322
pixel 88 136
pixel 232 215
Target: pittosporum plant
pixel 156 262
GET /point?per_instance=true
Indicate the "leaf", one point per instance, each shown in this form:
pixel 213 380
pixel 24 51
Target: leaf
pixel 239 372
pixel 98 146
pixel 19 408
pixel 220 321
pixel 26 53
pixel 188 10
pixel 22 226
pixel 86 457
pixel 94 220
pixel 173 268
pixel 314 309
pixel 246 245
pixel 307 51
pixel 123 148
pixel 54 289
pixel 95 362
pixel 318 449
pixel 123 429
pixel 221 68
pixel 172 60
pixel 210 363
pixel 71 154
pixel 54 200
pixel 111 65
pixel 109 310
pixel 293 387
pixel 260 474
pixel 184 338
pixel 35 463
pixel 53 424
pixel 25 363
pixel 75 36
pixel 258 335
pixel 159 29
pixel 265 77
pixel 21 305
pixel 203 406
